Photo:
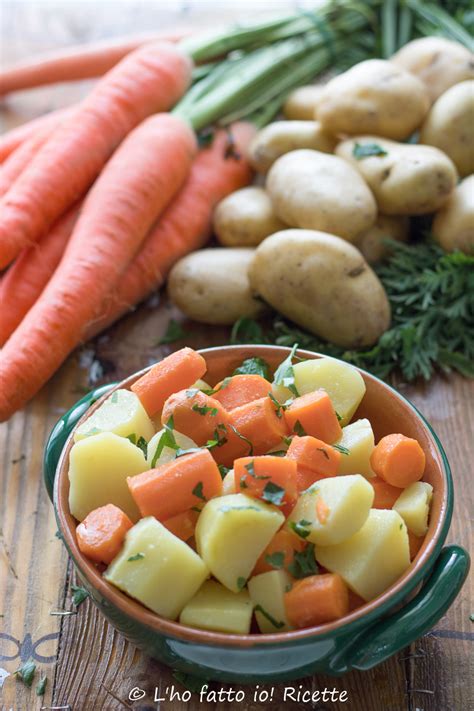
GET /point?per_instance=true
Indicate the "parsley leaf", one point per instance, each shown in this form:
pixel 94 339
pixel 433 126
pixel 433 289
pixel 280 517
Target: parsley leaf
pixel 245 439
pixel 137 556
pixel 26 672
pixel 167 439
pixel 365 150
pixel 241 582
pixel 300 527
pixel 141 442
pixel 284 374
pixel 299 429
pixel 223 470
pixel 197 491
pixel 273 493
pixel 304 563
pixel 250 467
pixel 280 406
pixel 204 409
pixel 253 366
pixel 340 448
pixel 41 686
pixel 276 623
pixel 78 595
pixel 276 560
pixel 174 332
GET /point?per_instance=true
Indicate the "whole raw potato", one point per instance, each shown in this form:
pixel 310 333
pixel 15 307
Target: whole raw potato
pixel 406 179
pixel 439 63
pixel 302 103
pixel 212 286
pixel 245 218
pixel 453 225
pixel 284 136
pixel 450 126
pixel 318 191
pixel 323 284
pixel 374 96
pixel 371 242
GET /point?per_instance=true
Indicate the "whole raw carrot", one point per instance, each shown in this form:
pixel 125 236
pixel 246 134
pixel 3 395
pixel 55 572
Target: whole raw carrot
pixel 148 80
pixel 137 183
pixel 17 161
pixel 12 139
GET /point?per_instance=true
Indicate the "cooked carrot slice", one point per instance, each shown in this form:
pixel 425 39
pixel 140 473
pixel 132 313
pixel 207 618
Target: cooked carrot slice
pixel 398 460
pixel 272 479
pixel 385 494
pixel 195 414
pixel 314 455
pixel 101 534
pixel 241 389
pixel 313 414
pixel 284 544
pixel 183 524
pixel 316 600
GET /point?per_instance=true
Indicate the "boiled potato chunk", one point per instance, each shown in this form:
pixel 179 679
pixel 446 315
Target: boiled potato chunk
pixel 200 385
pixel 373 558
pixel 157 568
pixel 267 592
pixel 218 609
pixel 167 454
pixel 343 383
pixel 98 471
pixel 333 509
pixel 122 413
pixel 358 438
pixel 413 505
pixel 231 533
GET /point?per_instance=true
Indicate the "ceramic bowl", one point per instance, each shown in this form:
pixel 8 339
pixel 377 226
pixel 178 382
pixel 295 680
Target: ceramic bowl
pixel 366 637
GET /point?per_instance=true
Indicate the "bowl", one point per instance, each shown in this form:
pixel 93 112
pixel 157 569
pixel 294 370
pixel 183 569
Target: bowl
pixel 366 637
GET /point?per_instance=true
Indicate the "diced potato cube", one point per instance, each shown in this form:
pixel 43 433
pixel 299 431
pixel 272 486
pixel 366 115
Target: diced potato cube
pixel 232 532
pixel 267 591
pixel 98 471
pixel 343 383
pixel 215 608
pixel 157 568
pixel 333 509
pixel 167 454
pixel 200 385
pixel 373 558
pixel 358 438
pixel 413 505
pixel 123 414
pixel 228 483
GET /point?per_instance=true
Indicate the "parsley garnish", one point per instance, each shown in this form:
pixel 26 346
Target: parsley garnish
pixel 304 563
pixel 223 470
pixel 78 595
pixel 253 366
pixel 141 442
pixel 284 374
pixel 26 672
pixel 167 439
pixel 174 332
pixel 250 467
pixel 299 429
pixel 365 150
pixel 340 448
pixel 276 560
pixel 273 493
pixel 241 582
pixel 278 453
pixel 300 527
pixel 275 623
pixel 197 491
pixel 280 406
pixel 245 439
pixel 137 556
pixel 204 409
pixel 41 686
pixel 339 418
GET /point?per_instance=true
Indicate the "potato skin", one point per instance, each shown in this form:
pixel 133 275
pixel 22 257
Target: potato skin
pixel 368 99
pixel 211 286
pixel 438 62
pixel 281 137
pixel 409 180
pixel 323 284
pixel 245 218
pixel 302 103
pixel 371 242
pixel 314 190
pixel 453 225
pixel 450 126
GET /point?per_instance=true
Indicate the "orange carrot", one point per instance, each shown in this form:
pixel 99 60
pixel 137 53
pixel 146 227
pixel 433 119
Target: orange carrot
pixel 175 487
pixel 316 600
pixel 148 80
pixel 398 460
pixel 17 161
pixel 12 139
pixel 241 389
pixel 415 543
pixel 177 371
pixel 101 534
pixel 322 510
pixel 313 414
pixel 196 415
pixel 355 601
pixel 183 525
pixel 306 477
pixel 272 479
pixel 313 456
pixel 385 494
pixel 138 181
pixel 259 423
pixel 24 281
pixel 283 542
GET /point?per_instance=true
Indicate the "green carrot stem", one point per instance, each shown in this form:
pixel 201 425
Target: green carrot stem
pixel 389 27
pixel 405 27
pixel 441 22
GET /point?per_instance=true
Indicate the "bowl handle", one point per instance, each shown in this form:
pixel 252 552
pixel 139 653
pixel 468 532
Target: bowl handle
pixel 414 619
pixel 61 431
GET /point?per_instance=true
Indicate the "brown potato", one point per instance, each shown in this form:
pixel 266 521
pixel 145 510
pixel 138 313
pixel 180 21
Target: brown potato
pixel 371 242
pixel 453 225
pixel 281 137
pixel 302 103
pixel 245 218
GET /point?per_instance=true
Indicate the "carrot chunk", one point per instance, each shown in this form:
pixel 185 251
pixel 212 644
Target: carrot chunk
pixel 313 414
pixel 306 477
pixel 241 389
pixel 195 414
pixel 182 525
pixel 101 534
pixel 279 553
pixel 258 422
pixel 385 494
pixel 272 479
pixel 315 456
pixel 316 600
pixel 398 460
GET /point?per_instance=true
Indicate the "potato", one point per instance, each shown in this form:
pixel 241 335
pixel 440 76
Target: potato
pixel 167 454
pixel 438 62
pixel 450 126
pixel 122 413
pixel 348 500
pixel 453 225
pixel 211 286
pixel 413 505
pixel 342 382
pixel 98 471
pixel 281 137
pixel 371 242
pixel 358 438
pixel 231 533
pixel 217 609
pixel 374 96
pixel 245 218
pixel 318 191
pixel 157 568
pixel 302 103
pixel 323 284
pixel 408 180
pixel 373 558
pixel 200 385
pixel 267 592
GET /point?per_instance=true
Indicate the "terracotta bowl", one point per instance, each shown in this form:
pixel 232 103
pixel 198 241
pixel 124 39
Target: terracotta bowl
pixel 363 639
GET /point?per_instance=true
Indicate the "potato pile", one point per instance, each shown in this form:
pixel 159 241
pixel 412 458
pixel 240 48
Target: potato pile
pixel 353 160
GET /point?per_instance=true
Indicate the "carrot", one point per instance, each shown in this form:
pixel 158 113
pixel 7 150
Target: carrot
pixel 317 599
pixel 355 601
pixel 185 225
pixel 17 161
pixel 313 414
pixel 306 477
pixel 322 510
pixel 12 139
pixel 415 543
pixel 101 534
pixel 173 488
pixel 272 479
pixel 138 181
pixel 315 459
pixel 241 389
pixel 196 415
pixel 24 281
pixel 259 423
pixel 148 80
pixel 385 494
pixel 177 371
pixel 82 62
pixel 283 542
pixel 398 460
pixel 182 525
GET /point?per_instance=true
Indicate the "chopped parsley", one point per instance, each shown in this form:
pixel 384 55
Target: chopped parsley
pixel 341 449
pixel 241 582
pixel 250 467
pixel 141 442
pixel 174 332
pixel 278 453
pixel 204 409
pixel 137 556
pixel 26 672
pixel 245 439
pixel 167 439
pixel 300 527
pixel 197 491
pixel 304 563
pixel 41 686
pixel 276 560
pixel 273 493
pixel 253 366
pixel 285 375
pixel 299 429
pixel 280 406
pixel 365 150
pixel 223 470
pixel 78 595
pixel 278 624
pixel 339 418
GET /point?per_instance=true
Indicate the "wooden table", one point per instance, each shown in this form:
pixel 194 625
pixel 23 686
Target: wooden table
pixel 89 666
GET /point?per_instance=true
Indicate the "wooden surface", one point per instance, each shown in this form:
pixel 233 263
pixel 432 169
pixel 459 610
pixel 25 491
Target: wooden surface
pixel 90 667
